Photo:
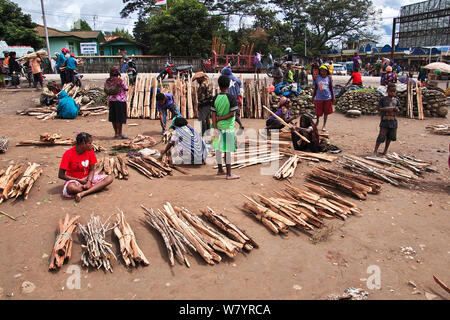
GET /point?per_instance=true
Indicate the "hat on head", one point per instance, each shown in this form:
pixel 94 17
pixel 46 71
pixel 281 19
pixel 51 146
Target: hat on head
pixel 226 71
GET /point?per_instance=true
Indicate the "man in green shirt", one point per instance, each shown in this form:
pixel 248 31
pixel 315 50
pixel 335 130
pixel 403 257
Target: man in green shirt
pixel 223 117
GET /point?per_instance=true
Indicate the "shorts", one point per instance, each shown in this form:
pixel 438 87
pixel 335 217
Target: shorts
pixel 323 107
pixel 117 112
pixel 96 179
pixel 387 133
pixel 226 141
pixel 259 64
pixel 37 77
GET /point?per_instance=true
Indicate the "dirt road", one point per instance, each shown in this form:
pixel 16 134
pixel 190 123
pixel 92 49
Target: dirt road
pixel 284 267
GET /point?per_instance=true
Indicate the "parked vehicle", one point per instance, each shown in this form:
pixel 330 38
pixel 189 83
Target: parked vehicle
pixel 171 71
pixel 131 71
pixel 340 69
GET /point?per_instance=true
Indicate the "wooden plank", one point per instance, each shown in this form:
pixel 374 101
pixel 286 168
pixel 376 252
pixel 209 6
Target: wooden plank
pixel 183 110
pixel 190 110
pixel 419 102
pixel 153 103
pixel 148 82
pixel 195 101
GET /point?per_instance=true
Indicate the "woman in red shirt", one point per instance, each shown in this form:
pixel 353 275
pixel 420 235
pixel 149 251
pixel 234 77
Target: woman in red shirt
pixel 357 79
pixel 78 170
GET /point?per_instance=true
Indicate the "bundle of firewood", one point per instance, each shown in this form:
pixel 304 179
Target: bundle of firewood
pixel 353 184
pixel 287 169
pixel 415 165
pixel 310 156
pixel 392 174
pixel 115 166
pixel 443 129
pixel 249 156
pixel 230 229
pixel 184 232
pixel 3 144
pixel 62 248
pixel 11 190
pixel 131 253
pixel 299 208
pixel 97 252
pixel 150 167
pixel 55 139
pixel 137 143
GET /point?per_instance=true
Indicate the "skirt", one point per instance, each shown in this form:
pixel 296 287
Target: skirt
pixel 118 112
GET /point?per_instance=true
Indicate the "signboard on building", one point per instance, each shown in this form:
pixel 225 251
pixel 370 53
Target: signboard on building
pixel 424 24
pixel 88 48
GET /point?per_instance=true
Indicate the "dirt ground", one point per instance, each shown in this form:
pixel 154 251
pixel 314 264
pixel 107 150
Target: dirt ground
pixel 284 267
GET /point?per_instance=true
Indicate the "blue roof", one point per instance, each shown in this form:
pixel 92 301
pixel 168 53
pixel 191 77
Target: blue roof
pixel 386 48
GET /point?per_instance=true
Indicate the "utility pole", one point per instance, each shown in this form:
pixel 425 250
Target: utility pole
pixel 46 35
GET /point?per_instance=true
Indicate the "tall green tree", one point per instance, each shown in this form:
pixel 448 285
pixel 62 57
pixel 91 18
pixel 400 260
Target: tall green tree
pixel 81 25
pixel 17 28
pixel 185 29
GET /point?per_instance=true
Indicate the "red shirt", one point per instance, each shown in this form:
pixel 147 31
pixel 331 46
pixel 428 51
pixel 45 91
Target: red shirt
pixel 356 77
pixel 77 165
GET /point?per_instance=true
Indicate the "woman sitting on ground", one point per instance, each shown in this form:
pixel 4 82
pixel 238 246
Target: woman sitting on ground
pixel 78 170
pixel 188 145
pixel 308 129
pixel 283 112
pixel 67 107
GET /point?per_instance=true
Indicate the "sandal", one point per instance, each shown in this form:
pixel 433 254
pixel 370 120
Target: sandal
pixel 123 136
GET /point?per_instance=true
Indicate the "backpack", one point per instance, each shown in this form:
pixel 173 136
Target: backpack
pixel 111 87
pixel 255 60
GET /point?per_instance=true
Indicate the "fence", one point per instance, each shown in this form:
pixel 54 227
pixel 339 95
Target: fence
pixel 144 64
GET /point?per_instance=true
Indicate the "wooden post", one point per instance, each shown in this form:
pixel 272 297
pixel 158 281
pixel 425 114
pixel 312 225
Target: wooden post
pixel 190 109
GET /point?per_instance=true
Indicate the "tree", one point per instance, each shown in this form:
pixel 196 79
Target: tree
pixel 119 32
pixel 17 28
pixel 186 28
pixel 81 25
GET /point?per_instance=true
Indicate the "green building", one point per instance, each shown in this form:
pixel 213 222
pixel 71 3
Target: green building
pixel 114 44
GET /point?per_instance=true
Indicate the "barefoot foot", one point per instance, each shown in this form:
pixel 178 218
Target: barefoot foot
pixel 78 197
pixel 232 177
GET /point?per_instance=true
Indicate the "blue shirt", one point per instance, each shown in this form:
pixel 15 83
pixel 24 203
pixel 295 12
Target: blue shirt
pixel 71 64
pixel 169 102
pixel 67 107
pixel 323 88
pixel 60 61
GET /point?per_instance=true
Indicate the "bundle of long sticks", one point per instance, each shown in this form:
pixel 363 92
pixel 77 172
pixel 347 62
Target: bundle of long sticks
pixel 137 143
pixel 229 228
pixel 55 139
pixel 176 243
pixel 353 184
pixel 420 114
pixel 23 187
pixel 287 170
pixel 416 166
pixel 62 248
pixel 311 156
pixel 97 252
pixel 253 155
pixel 131 253
pixel 150 167
pixel 7 180
pixel 393 175
pixel 115 166
pixel 443 129
pixel 3 144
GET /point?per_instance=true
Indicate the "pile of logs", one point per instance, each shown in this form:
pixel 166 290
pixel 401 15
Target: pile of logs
pixel 131 253
pixel 55 139
pixel 287 169
pixel 97 252
pixel 11 190
pixel 184 232
pixel 115 166
pixel 299 208
pixel 393 174
pixel 150 167
pixel 62 248
pixel 81 97
pixel 3 144
pixel 137 143
pixel 354 184
pixel 443 129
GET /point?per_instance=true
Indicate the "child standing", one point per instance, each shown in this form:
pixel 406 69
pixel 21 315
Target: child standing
pixel 388 108
pixel 323 95
pixel 223 117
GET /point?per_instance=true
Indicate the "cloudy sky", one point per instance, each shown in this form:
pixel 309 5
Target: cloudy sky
pixel 105 14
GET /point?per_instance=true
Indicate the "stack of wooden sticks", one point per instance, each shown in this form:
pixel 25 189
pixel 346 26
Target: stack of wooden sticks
pixel 62 248
pixel 115 166
pixel 150 167
pixel 11 190
pixel 184 232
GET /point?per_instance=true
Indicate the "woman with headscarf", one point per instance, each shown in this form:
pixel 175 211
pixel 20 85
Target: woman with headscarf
pixel 188 146
pixel 388 77
pixel 116 89
pixel 308 129
pixel 235 91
